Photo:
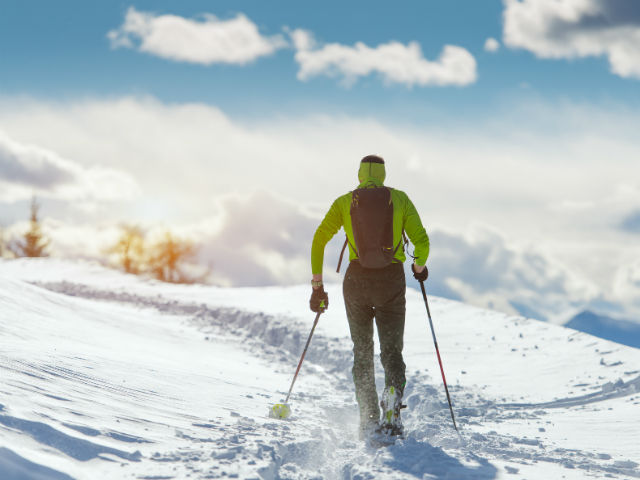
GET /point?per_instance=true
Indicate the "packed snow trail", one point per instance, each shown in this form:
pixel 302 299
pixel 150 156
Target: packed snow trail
pixel 105 375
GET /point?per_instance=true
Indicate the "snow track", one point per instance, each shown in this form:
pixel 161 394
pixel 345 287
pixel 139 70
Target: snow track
pixel 147 381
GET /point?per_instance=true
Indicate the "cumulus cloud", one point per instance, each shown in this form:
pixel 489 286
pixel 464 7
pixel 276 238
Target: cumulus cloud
pixel 491 45
pixel 186 156
pixel 261 239
pixel 31 166
pixel 481 267
pixel 256 239
pixel 28 169
pixel 393 61
pixel 264 239
pixel 205 41
pixel 577 28
pixel 627 284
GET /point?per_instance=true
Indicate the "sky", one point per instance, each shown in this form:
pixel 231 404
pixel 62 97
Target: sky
pixel 510 124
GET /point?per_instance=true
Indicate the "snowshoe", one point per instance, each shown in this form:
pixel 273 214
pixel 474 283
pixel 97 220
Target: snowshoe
pixel 391 403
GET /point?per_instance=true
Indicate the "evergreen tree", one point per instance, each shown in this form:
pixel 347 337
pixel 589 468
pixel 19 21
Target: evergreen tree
pixel 33 244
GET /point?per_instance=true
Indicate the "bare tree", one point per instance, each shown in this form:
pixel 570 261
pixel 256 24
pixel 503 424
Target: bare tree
pixel 167 257
pixel 33 244
pixel 130 249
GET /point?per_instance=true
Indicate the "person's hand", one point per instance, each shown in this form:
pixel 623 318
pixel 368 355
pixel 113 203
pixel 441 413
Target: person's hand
pixel 319 300
pixel 420 273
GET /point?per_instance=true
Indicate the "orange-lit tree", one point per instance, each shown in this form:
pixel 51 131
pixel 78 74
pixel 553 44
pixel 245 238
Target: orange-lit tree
pixel 167 256
pixel 130 249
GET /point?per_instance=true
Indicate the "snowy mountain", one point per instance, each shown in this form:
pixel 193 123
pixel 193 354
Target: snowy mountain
pixel 108 376
pixel 616 330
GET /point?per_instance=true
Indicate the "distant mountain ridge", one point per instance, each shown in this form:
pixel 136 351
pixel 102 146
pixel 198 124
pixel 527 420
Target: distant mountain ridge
pixel 621 331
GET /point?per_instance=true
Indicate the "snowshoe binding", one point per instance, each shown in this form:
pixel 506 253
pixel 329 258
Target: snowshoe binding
pixel 391 426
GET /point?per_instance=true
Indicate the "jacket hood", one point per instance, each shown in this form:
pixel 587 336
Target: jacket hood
pixel 371 173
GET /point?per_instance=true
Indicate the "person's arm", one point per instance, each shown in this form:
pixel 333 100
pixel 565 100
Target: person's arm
pixel 325 232
pixel 417 234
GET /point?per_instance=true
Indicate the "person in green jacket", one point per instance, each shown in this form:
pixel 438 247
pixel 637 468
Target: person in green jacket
pixel 373 293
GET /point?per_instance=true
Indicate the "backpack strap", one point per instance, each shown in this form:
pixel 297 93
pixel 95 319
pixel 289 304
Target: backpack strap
pixel 346 241
pixel 342 254
pixel 403 241
pixel 395 260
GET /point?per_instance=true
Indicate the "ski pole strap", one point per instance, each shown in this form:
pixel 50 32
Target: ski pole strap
pixel 405 247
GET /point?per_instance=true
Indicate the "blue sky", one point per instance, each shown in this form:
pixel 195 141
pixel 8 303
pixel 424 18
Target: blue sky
pixel 53 50
pixel 521 160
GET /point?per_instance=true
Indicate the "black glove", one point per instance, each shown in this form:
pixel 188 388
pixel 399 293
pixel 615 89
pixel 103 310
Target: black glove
pixel 422 276
pixel 319 300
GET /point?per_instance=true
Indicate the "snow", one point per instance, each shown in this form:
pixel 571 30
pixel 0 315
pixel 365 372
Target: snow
pixel 107 375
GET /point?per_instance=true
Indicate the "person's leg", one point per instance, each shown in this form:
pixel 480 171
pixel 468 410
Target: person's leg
pixel 390 332
pixel 360 316
pixel 390 317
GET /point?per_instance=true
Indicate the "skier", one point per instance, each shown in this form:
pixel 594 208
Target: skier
pixel 374 218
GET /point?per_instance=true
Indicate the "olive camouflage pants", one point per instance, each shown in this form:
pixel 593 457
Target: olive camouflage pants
pixel 379 294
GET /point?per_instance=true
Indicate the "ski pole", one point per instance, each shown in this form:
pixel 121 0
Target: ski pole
pixel 435 342
pixel 304 352
pixel 282 410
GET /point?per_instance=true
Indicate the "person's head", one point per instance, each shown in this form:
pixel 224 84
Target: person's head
pixel 371 168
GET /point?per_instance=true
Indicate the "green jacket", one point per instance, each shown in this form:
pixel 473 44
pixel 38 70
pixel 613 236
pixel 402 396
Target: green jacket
pixel 405 217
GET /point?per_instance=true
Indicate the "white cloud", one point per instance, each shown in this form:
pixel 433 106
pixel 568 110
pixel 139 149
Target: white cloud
pixel 31 166
pixel 491 45
pixel 255 239
pixel 517 171
pixel 627 284
pixel 577 28
pixel 26 170
pixel 481 267
pixel 183 155
pixel 264 239
pixel 206 41
pixel 393 61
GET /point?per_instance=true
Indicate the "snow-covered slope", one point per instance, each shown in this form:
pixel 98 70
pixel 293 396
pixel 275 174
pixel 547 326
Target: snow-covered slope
pixel 105 375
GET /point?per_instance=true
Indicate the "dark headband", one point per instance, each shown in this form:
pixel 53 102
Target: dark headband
pixel 372 159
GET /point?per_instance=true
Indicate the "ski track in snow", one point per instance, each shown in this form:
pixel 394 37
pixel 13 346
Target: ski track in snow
pixel 74 420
